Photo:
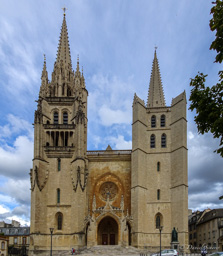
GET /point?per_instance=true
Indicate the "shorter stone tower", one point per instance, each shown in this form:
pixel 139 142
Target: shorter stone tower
pixel 159 191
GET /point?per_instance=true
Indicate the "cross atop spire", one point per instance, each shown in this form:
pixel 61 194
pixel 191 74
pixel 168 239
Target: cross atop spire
pixel 64 10
pixel 155 94
pixel 63 53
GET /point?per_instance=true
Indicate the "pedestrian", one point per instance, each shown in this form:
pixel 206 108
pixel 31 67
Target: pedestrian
pixel 203 251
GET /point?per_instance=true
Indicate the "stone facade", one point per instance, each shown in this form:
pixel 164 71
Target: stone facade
pixel 107 197
pixel 210 230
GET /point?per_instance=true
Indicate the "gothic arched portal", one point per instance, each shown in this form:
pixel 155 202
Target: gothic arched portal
pixel 108 231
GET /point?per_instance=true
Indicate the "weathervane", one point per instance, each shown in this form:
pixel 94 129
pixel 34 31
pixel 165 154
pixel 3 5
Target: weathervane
pixel 64 10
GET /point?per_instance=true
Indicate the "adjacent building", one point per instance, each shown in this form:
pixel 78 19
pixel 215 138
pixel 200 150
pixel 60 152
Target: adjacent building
pixel 206 229
pixel 210 230
pixel 4 241
pixel 192 230
pixel 106 197
pixel 17 237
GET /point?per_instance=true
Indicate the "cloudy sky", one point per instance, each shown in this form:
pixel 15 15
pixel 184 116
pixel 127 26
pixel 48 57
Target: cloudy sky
pixel 115 40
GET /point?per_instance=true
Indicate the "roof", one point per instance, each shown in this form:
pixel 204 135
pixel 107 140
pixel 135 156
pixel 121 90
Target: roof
pixel 15 231
pixel 194 217
pixel 210 215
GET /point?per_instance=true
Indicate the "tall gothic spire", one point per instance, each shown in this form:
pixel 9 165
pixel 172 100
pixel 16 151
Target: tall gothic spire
pixel 63 52
pixel 155 94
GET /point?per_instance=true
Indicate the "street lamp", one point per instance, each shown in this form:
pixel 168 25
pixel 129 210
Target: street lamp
pixel 51 234
pixel 160 229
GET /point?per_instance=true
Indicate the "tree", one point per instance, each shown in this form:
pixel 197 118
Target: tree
pixel 208 101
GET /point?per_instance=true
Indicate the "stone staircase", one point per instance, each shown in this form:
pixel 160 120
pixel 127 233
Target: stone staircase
pixel 112 250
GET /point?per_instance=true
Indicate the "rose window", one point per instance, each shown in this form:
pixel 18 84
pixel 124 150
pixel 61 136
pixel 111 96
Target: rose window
pixel 108 190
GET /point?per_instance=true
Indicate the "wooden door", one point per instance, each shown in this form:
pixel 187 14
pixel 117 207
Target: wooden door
pixel 112 239
pixel 104 239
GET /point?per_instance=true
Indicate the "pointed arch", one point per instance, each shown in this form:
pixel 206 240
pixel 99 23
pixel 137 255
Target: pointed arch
pixel 108 231
pixel 153 121
pixel 158 220
pixel 65 117
pixel 55 117
pixel 59 220
pixel 163 140
pixel 152 141
pixel 162 121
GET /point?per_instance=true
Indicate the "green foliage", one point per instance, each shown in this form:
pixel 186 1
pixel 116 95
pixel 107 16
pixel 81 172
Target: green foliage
pixel 208 101
pixel 216 24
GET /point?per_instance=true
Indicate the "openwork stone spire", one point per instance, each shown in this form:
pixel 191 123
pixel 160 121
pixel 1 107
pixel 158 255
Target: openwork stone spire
pixel 155 94
pixel 63 53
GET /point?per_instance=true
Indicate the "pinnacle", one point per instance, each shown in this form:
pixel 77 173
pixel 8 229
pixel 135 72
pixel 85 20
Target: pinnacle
pixel 44 71
pixel 155 94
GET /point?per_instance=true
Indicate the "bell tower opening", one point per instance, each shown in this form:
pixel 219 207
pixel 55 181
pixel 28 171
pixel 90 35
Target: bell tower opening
pixel 108 232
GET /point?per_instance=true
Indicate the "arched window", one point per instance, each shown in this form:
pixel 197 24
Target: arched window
pixel 163 140
pixel 3 246
pixel 59 221
pixel 152 141
pixel 65 118
pixel 158 194
pixel 158 221
pixel 158 166
pixel 153 121
pixel 163 121
pixel 58 195
pixel 55 117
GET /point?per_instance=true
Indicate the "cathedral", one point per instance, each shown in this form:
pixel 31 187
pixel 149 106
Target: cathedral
pixel 82 198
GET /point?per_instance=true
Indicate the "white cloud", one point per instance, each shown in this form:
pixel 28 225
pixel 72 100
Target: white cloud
pixel 119 142
pixel 3 209
pixel 16 157
pixel 18 190
pixel 109 116
pixel 16 161
pixel 23 222
pixel 14 126
pixel 111 100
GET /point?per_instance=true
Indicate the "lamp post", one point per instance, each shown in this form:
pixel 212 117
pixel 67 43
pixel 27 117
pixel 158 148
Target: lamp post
pixel 160 229
pixel 51 234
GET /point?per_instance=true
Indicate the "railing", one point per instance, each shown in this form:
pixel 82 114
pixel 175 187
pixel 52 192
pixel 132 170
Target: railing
pixel 59 126
pixel 58 148
pixel 60 99
pixel 109 152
